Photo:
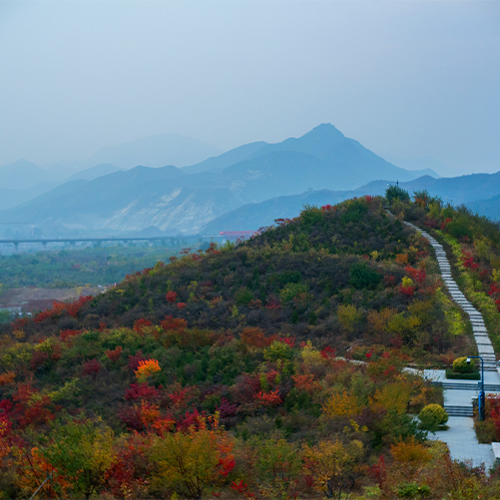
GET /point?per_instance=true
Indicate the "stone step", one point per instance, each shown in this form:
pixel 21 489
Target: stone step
pixel 482 341
pixel 450 386
pixel 485 349
pixel 459 411
pixel 489 358
pixel 479 338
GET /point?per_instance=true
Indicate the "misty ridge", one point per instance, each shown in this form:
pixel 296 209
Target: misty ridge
pixel 169 184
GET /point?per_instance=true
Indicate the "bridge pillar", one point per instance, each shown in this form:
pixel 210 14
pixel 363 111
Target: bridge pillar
pixel 16 246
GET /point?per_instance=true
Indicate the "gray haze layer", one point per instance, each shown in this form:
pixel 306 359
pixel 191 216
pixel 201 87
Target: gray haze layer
pixel 411 79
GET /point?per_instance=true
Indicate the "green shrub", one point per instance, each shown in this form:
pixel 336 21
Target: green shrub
pixel 393 193
pixel 432 417
pixel 243 296
pixel 278 350
pixel 460 365
pixel 311 215
pixel 460 227
pixel 293 290
pixel 411 490
pixel 356 209
pixel 362 276
pixel 462 376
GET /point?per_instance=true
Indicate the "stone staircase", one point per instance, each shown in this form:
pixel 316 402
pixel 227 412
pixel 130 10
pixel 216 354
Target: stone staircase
pixel 459 411
pixel 484 346
pixel 469 387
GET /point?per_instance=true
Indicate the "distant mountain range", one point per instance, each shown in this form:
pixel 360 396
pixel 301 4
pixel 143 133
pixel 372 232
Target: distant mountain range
pixel 22 174
pixel 186 200
pixel 467 189
pixel 22 180
pixel 155 151
pixel 236 190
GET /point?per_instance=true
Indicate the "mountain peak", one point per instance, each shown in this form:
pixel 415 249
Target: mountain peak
pixel 325 131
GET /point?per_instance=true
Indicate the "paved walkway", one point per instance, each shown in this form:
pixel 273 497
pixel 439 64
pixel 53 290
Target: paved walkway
pixel 458 394
pixel 484 346
pixel 462 442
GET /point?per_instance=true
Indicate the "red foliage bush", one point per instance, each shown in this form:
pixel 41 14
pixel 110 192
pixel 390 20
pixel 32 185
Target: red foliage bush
pixel 171 296
pixel 287 340
pixel 493 405
pixel 140 324
pixel 468 261
pixel 246 387
pixel 133 361
pixel 66 334
pixel 273 305
pixel 114 354
pixel 189 420
pixel 171 323
pixel 92 367
pixel 37 413
pixel 178 397
pixel 57 309
pixel 328 352
pixel 227 409
pixel 131 417
pixel 407 290
pixel 417 274
pixel 271 398
pixel 38 359
pixel 75 307
pixel 142 391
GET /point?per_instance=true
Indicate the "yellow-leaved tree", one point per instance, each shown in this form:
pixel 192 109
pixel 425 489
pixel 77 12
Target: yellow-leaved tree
pixel 192 462
pixel 79 452
pixel 334 466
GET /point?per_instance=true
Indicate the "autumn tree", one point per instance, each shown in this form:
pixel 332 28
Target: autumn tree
pixel 334 466
pixel 192 462
pixel 80 451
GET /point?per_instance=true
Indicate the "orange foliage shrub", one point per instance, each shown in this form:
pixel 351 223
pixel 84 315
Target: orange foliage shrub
pixel 7 378
pixel 255 337
pixel 271 398
pixel 402 258
pixel 411 457
pixel 147 368
pixel 306 383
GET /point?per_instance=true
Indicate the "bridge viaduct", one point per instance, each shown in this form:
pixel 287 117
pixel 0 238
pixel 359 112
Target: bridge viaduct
pixel 173 240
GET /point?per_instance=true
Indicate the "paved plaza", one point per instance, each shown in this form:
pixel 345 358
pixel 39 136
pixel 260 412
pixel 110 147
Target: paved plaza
pixel 462 442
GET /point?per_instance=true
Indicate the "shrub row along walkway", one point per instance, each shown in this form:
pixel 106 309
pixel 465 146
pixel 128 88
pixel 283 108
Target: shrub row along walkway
pixel 458 394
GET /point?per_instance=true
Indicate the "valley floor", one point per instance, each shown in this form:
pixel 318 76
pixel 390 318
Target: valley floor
pixel 32 299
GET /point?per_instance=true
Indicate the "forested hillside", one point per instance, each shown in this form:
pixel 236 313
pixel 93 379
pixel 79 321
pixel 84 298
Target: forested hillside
pixel 270 369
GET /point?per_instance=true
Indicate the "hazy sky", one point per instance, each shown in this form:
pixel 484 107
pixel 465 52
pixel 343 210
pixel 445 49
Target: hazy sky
pixel 405 78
